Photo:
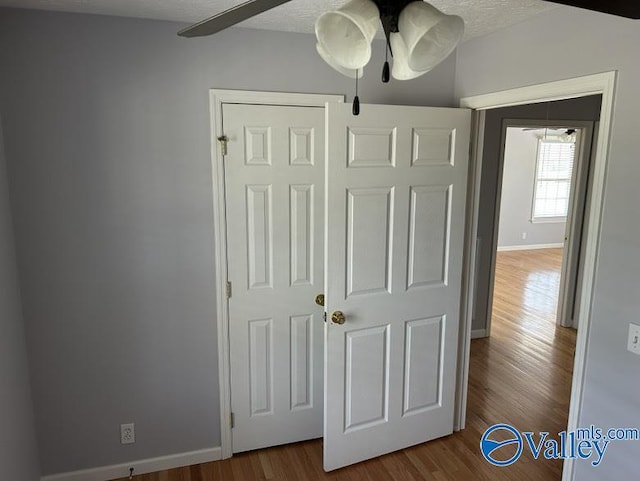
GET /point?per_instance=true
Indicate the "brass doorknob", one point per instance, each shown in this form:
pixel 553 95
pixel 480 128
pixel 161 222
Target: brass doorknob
pixel 320 299
pixel 338 317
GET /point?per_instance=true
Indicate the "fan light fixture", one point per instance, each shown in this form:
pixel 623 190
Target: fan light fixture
pixel 419 37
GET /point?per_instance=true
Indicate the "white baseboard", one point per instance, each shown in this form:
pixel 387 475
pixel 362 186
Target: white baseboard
pixel 530 247
pixel 478 333
pixel 143 466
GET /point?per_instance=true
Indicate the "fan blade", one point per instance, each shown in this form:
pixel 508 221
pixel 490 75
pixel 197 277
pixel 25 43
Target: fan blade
pixel 621 8
pixel 229 17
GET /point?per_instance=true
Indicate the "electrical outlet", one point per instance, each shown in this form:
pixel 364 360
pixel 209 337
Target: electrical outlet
pixel 127 433
pixel 634 339
pixel 524 236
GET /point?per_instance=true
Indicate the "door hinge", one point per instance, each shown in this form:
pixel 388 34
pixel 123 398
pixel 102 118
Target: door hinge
pixel 228 289
pixel 233 420
pixel 223 140
pixel 324 316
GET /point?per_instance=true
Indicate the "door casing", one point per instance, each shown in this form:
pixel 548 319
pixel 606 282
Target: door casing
pixel 605 85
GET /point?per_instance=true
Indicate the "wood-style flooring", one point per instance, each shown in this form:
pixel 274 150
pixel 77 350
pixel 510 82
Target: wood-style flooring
pixel 520 376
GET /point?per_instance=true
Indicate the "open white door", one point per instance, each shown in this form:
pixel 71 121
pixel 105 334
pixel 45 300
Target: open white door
pixel 395 207
pixel 568 302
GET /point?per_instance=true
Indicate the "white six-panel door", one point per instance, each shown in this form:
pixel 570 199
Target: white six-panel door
pixel 274 175
pixel 396 190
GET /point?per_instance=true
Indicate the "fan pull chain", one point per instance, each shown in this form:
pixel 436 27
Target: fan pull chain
pixel 385 69
pixel 356 100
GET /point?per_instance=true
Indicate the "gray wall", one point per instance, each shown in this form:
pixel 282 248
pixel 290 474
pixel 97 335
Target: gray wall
pixel 107 142
pixel 18 454
pixel 518 183
pixel 522 56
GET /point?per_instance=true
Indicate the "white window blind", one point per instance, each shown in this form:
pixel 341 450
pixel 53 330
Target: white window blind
pixel 553 179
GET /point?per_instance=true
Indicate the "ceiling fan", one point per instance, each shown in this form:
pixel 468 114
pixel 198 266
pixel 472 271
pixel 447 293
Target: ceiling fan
pixel 251 8
pixel 419 36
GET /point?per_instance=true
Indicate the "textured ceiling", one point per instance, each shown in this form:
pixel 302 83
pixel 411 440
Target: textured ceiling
pixel 481 16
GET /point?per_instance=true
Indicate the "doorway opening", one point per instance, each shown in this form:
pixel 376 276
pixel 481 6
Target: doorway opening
pixel 540 218
pixel 527 354
pixel 529 339
pixel 525 376
pixel 519 216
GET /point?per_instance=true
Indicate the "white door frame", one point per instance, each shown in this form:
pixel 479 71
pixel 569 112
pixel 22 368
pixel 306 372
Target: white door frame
pixel 217 98
pixel 604 84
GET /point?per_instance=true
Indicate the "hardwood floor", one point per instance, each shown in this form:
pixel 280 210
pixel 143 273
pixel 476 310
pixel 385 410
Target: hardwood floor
pixel 520 376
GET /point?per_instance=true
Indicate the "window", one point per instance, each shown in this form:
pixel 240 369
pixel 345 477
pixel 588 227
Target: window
pixel 553 180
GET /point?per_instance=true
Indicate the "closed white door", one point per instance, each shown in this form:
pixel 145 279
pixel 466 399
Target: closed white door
pixel 274 175
pixel 396 190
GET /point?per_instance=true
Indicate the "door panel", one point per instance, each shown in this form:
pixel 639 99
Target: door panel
pixel 274 173
pixel 259 233
pixel 396 185
pixel 302 349
pixel 302 215
pixel 371 147
pixel 429 223
pixel 367 375
pixel 433 147
pixel 261 366
pixel 369 221
pixel 423 364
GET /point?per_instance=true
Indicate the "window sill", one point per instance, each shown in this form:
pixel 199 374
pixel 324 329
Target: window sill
pixel 549 220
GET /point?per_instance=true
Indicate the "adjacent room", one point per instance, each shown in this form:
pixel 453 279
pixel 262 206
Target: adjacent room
pixel 538 179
